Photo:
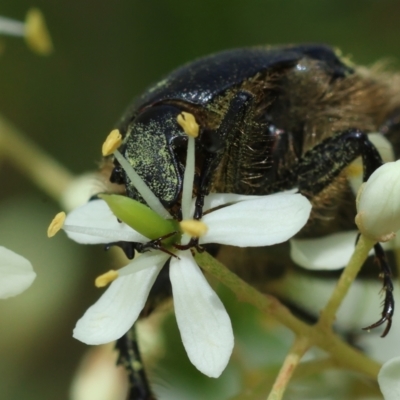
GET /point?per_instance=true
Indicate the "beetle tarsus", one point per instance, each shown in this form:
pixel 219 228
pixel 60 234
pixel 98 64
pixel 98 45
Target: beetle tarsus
pixel 388 302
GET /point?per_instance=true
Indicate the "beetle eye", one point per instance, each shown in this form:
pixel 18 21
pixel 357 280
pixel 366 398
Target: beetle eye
pixel 210 141
pixel 179 143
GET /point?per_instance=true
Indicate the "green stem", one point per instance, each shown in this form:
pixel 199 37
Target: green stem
pixel 343 355
pixel 39 167
pixel 292 360
pixel 347 277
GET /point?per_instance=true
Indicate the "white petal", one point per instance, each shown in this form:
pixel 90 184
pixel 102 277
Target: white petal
pixel 215 200
pixel 263 221
pixel 80 190
pixel 118 308
pixel 100 224
pixel 203 322
pixel 16 273
pixel 388 379
pixel 326 253
pixel 144 261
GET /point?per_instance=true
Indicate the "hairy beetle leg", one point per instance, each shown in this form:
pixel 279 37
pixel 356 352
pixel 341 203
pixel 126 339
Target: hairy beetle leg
pixel 388 302
pixel 324 162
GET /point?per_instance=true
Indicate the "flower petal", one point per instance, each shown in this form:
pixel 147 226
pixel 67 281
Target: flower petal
pixel 326 253
pixel 388 379
pixel 378 208
pixel 95 223
pixel 263 221
pixel 144 261
pixel 16 273
pixel 215 200
pixel 118 308
pixel 203 322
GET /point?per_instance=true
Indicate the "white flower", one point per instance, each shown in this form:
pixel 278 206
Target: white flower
pixel 203 322
pixel 16 273
pixel 388 379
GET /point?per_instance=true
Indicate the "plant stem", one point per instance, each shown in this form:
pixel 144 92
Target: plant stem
pixel 343 355
pixel 292 360
pixel 38 166
pixel 347 277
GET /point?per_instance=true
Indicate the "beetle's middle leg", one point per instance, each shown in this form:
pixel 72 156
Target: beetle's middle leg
pixel 321 165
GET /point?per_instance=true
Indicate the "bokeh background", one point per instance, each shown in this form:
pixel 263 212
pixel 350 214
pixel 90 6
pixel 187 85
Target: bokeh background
pixel 106 53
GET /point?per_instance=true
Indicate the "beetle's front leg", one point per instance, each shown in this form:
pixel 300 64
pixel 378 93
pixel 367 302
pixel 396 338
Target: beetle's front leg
pixel 234 116
pixel 319 166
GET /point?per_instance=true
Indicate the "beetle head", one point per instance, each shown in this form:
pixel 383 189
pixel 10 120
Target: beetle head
pixel 153 144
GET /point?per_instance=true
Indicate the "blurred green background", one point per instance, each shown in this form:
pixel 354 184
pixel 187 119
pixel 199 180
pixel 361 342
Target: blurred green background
pixel 106 53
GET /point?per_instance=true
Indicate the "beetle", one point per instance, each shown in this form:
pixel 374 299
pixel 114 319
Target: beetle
pixel 271 119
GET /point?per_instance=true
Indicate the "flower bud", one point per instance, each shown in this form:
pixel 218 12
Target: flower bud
pixel 378 203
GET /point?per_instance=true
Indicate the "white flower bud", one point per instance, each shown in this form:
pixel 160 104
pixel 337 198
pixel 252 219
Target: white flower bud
pixel 378 203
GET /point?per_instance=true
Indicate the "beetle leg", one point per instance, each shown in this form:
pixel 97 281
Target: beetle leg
pixel 127 247
pixel 234 116
pixel 156 244
pixel 388 302
pixel 129 358
pixel 319 166
pixel 130 247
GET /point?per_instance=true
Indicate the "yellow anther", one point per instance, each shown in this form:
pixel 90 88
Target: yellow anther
pixel 36 34
pixel 188 123
pixel 113 141
pixel 105 279
pixel 56 224
pixel 193 228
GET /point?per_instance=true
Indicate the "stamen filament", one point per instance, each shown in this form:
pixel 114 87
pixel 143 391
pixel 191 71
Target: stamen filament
pixel 11 27
pixel 188 178
pixel 151 199
pixel 104 233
